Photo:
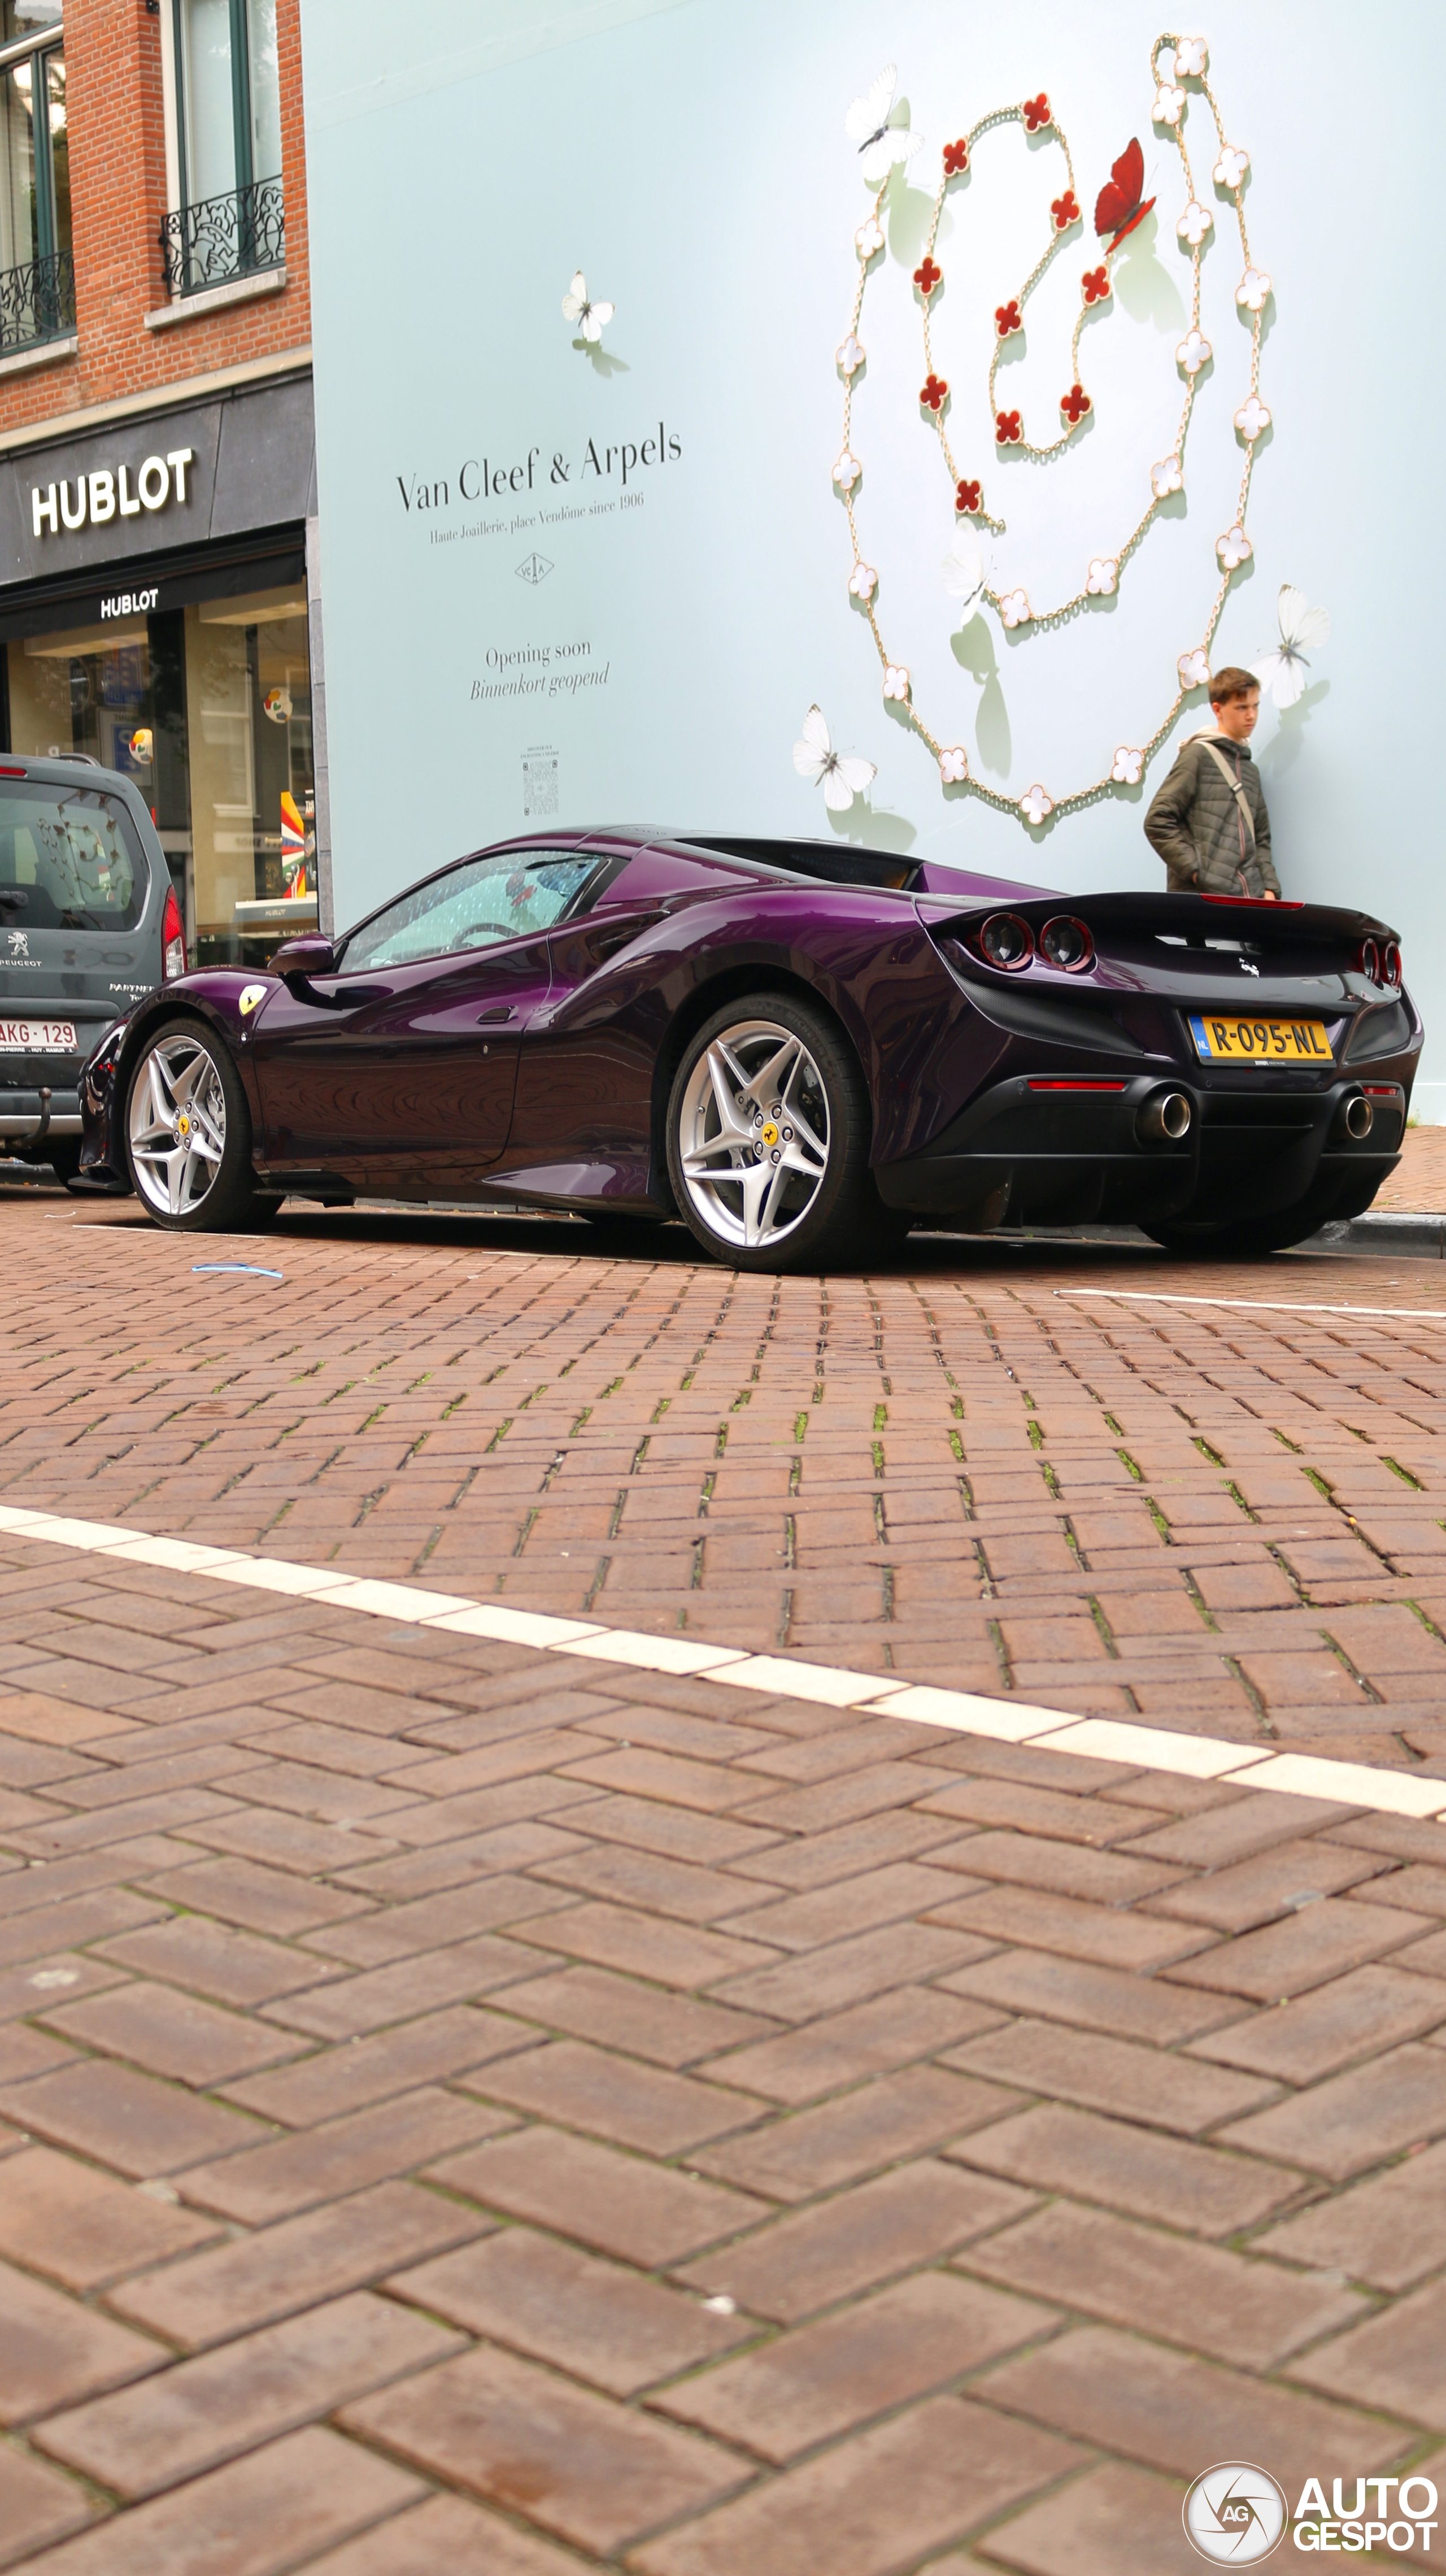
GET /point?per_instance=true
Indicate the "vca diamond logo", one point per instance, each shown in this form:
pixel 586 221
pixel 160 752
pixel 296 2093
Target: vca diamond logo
pixel 535 569
pixel 1235 2514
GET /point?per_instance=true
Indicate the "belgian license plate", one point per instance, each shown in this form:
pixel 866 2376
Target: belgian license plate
pixel 37 1037
pixel 1236 1041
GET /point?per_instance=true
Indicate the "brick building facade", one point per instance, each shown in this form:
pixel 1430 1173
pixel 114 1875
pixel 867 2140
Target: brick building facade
pixel 132 339
pixel 158 598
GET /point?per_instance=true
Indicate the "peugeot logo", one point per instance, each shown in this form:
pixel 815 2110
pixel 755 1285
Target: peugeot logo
pixel 19 944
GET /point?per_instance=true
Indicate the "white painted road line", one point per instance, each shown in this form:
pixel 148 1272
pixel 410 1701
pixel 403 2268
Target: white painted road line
pixel 1149 1748
pixel 1260 1305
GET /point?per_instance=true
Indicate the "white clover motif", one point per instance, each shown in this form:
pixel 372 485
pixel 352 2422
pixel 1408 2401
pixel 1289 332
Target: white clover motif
pixel 953 766
pixel 1194 668
pixel 849 355
pixel 1193 352
pixel 1192 56
pixel 896 680
pixel 1034 804
pixel 1194 224
pixel 1103 574
pixel 1231 167
pixel 1129 766
pixel 1169 104
pixel 869 238
pixel 1014 608
pixel 1166 477
pixel 863 581
pixel 1234 548
pixel 846 471
pixel 1252 291
pixel 1252 418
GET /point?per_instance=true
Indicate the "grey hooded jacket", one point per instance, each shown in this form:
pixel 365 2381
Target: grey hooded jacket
pixel 1197 827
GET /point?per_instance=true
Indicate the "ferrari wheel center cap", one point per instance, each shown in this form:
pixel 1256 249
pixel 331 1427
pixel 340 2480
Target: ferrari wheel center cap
pixel 183 1126
pixel 770 1133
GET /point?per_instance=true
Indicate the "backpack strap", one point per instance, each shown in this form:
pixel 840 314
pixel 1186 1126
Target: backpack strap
pixel 1236 790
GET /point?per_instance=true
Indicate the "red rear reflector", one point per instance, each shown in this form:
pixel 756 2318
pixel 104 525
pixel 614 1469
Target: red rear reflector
pixel 14 773
pixel 1381 1090
pixel 173 939
pixel 1050 1084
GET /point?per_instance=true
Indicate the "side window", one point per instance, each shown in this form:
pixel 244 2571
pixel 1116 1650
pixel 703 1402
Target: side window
pixel 503 895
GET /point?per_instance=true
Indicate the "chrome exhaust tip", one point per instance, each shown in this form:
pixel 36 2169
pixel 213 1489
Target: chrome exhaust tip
pixel 1358 1118
pixel 1164 1120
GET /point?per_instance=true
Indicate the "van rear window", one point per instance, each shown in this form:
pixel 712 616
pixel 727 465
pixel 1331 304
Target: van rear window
pixel 70 860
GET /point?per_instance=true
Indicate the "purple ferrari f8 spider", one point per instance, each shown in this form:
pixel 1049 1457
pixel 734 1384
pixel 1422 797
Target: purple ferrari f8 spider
pixel 799 1049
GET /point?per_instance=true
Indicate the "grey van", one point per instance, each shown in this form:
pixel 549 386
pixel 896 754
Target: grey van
pixel 89 921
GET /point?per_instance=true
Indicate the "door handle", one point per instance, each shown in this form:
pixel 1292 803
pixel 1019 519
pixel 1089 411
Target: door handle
pixel 499 1011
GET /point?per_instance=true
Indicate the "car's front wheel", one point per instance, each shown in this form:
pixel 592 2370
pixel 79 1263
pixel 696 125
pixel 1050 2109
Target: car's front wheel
pixel 188 1133
pixel 768 1138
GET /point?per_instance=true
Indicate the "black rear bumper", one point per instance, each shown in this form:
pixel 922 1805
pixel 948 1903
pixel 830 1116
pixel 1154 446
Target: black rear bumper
pixel 1024 1155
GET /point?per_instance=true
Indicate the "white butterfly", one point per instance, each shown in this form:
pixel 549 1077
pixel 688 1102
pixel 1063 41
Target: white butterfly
pixel 841 774
pixel 590 317
pixel 870 124
pixel 1283 673
pixel 963 569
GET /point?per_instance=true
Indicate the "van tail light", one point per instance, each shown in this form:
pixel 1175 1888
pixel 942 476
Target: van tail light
pixel 173 939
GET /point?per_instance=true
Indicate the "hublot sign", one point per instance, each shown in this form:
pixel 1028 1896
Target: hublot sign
pixel 106 489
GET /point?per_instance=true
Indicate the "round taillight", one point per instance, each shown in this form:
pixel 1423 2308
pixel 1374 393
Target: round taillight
pixel 1006 940
pixel 1067 943
pixel 1369 961
pixel 1391 961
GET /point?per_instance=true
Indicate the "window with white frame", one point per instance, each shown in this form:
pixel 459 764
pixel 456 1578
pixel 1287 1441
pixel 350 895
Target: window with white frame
pixel 37 272
pixel 225 85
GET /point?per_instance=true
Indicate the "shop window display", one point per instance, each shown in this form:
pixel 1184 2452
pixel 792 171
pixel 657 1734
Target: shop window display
pixel 208 709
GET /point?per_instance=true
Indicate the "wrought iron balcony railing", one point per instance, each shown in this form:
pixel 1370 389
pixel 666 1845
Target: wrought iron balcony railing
pixel 224 237
pixel 37 302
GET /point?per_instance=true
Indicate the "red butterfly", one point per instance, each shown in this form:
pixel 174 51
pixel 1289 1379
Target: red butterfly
pixel 1117 207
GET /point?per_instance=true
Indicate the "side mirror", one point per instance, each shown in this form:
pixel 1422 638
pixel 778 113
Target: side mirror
pixel 296 960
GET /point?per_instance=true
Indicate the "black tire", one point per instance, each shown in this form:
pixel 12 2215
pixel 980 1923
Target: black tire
pixel 820 1207
pixel 196 1074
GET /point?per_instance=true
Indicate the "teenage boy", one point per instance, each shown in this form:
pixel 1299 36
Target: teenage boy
pixel 1209 821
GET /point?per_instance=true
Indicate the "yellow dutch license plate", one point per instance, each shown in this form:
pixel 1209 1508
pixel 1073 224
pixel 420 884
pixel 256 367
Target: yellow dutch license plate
pixel 1236 1041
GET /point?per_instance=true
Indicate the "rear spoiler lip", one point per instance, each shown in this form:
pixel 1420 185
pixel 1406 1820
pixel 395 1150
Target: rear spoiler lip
pixel 1280 924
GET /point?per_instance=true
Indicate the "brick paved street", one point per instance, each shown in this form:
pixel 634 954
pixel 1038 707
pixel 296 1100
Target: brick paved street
pixel 1419 1186
pixel 463 2107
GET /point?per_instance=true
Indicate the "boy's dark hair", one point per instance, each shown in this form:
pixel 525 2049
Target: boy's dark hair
pixel 1230 683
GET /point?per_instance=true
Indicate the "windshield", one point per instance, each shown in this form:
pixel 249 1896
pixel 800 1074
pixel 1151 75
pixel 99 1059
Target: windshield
pixel 502 896
pixel 69 860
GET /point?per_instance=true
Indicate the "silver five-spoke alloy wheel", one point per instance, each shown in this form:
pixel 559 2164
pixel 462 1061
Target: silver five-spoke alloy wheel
pixel 753 1134
pixel 177 1123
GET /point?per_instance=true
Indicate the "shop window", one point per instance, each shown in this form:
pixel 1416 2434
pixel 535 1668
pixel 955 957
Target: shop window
pixel 226 86
pixel 208 709
pixel 248 699
pixel 37 270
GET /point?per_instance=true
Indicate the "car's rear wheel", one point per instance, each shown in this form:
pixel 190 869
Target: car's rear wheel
pixel 188 1134
pixel 768 1138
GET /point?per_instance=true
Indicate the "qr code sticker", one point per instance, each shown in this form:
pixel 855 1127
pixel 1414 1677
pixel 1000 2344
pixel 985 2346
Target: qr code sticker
pixel 539 782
